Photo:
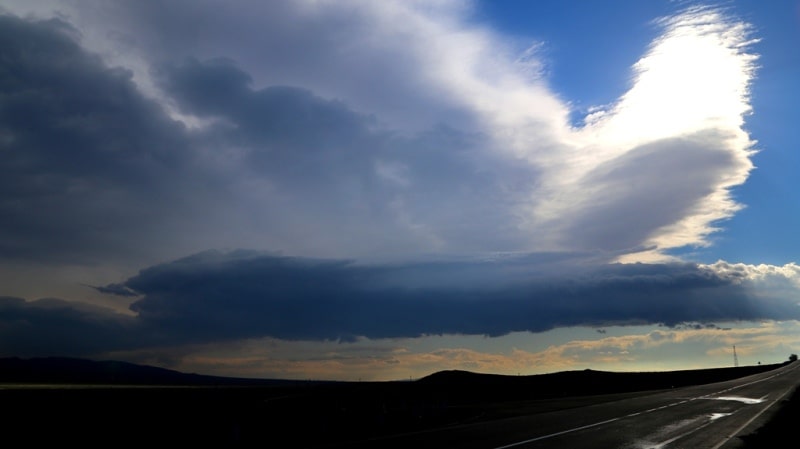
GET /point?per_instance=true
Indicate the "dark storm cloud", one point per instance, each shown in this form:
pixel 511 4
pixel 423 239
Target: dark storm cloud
pixel 218 296
pixel 98 172
pixel 306 146
pixel 55 327
pixel 332 165
pixel 233 295
pixel 338 49
pixel 84 155
pixel 281 115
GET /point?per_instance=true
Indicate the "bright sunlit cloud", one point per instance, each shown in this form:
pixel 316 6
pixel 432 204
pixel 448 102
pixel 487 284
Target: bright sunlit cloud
pixel 680 122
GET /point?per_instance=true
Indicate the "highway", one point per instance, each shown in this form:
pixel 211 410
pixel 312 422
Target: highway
pixel 698 417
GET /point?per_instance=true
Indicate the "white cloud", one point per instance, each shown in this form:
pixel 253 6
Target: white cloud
pixel 761 273
pixel 668 151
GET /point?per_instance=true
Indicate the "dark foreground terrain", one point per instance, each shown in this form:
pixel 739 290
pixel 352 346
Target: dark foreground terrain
pixel 94 403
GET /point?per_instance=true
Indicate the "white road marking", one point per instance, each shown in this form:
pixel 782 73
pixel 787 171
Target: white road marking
pixel 544 437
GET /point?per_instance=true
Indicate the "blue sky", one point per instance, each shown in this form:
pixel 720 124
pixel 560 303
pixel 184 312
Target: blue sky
pixel 380 190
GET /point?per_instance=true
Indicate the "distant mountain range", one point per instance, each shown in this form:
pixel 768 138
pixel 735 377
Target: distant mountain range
pixel 63 370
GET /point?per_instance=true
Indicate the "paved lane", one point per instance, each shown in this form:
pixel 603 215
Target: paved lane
pixel 705 416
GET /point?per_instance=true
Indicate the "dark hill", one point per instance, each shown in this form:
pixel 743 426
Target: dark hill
pixel 63 370
pixel 577 383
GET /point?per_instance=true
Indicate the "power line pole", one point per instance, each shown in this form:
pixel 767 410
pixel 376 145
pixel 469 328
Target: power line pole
pixel 735 359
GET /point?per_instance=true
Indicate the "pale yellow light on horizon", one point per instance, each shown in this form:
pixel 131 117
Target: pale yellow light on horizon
pixel 626 349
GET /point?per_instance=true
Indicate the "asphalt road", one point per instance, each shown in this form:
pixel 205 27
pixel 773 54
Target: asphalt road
pixel 706 416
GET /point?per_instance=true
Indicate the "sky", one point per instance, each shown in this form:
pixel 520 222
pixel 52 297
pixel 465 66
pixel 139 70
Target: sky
pixel 359 190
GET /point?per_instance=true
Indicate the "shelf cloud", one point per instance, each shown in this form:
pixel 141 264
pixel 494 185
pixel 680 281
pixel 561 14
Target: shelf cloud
pixel 227 296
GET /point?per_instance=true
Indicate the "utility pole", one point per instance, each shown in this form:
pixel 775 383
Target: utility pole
pixel 735 359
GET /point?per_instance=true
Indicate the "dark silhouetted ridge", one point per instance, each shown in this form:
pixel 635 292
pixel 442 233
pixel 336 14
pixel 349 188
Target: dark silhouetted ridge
pixel 63 370
pixel 578 383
